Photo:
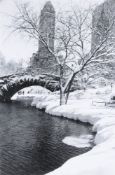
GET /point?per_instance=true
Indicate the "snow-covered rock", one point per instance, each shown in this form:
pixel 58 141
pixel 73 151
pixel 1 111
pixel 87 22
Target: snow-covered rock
pixel 80 142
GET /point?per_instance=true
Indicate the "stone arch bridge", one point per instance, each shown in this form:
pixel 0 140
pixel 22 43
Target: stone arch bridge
pixel 11 84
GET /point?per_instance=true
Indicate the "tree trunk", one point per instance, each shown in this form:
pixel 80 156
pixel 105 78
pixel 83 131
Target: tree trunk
pixel 68 88
pixel 62 95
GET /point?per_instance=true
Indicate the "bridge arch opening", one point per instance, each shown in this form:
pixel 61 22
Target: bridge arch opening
pixel 29 93
pixel 8 90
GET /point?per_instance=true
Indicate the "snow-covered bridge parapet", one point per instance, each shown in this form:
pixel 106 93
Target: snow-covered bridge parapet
pixel 11 84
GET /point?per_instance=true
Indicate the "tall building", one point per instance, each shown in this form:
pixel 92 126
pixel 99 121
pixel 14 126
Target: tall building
pixel 47 28
pixel 103 18
pixel 43 60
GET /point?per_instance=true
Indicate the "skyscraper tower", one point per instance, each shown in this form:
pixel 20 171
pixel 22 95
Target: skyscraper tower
pixel 103 17
pixel 103 27
pixel 43 61
pixel 47 27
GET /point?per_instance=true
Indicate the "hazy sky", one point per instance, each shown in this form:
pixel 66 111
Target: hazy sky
pixel 14 46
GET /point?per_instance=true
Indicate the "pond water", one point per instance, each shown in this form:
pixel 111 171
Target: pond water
pixel 31 140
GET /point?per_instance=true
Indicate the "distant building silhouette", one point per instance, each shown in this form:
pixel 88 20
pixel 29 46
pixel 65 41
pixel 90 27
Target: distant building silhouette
pixel 43 60
pixel 103 17
pixel 47 28
pixel 103 20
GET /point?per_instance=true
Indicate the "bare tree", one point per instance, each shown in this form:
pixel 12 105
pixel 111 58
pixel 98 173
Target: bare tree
pixel 75 34
pixel 73 53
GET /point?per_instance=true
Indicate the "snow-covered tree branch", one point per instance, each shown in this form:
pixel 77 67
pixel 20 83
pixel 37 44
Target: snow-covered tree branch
pixel 73 52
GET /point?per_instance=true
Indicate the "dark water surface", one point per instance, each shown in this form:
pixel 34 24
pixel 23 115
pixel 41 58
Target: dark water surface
pixel 31 141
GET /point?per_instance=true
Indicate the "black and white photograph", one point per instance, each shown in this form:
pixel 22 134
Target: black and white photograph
pixel 57 87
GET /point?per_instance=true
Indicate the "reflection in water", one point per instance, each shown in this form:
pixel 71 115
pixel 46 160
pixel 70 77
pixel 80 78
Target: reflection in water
pixel 31 141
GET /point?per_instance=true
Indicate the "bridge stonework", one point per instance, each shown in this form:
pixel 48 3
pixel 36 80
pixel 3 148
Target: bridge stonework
pixel 12 84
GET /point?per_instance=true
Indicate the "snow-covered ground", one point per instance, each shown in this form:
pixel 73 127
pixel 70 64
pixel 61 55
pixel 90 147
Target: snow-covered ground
pixel 88 106
pixel 30 93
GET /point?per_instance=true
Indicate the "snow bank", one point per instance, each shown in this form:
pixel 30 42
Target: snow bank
pixel 91 163
pixel 100 160
pixel 1 81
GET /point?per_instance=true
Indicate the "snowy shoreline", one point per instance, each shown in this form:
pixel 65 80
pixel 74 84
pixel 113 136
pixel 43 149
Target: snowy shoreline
pixel 85 108
pixel 100 160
